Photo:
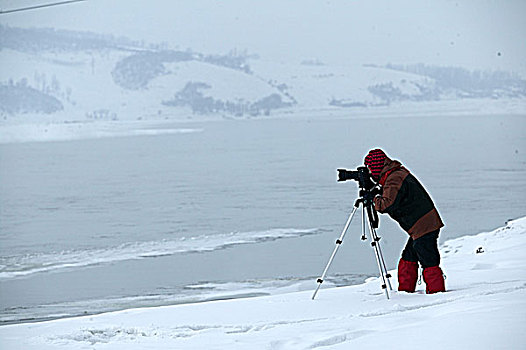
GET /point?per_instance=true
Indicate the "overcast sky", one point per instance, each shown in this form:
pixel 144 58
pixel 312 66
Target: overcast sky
pixel 469 33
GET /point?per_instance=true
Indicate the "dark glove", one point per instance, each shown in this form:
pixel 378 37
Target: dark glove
pixel 368 195
pixel 377 191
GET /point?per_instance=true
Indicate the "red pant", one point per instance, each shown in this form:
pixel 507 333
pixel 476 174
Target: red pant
pixel 408 275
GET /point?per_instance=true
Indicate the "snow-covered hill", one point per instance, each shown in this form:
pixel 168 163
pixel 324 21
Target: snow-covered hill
pixel 484 308
pixel 59 75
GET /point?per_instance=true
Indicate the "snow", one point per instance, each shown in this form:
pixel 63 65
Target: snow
pixel 315 86
pixel 30 132
pixel 95 106
pixel 484 308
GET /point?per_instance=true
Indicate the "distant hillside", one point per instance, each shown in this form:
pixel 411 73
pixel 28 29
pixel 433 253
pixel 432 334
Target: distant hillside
pixel 467 84
pixel 83 75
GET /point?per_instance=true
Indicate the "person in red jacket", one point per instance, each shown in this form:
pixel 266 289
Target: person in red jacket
pixel 407 202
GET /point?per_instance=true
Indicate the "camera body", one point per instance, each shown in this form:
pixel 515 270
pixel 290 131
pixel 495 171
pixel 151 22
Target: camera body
pixel 361 175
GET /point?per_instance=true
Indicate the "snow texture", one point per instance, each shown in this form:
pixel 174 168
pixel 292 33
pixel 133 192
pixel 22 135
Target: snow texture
pixel 484 308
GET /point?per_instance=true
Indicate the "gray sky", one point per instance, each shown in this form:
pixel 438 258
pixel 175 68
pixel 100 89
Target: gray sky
pixel 468 33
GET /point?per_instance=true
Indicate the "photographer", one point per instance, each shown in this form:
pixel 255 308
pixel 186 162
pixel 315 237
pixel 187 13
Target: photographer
pixel 408 203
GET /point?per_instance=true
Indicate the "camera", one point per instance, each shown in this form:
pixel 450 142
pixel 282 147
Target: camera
pixel 368 190
pixel 361 175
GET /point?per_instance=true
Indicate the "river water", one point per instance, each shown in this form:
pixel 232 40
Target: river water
pixel 229 209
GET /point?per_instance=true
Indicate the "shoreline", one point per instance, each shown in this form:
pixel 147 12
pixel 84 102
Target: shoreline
pixel 141 302
pixel 41 128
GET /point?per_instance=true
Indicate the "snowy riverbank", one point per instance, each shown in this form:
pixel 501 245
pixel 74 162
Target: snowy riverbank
pixel 483 309
pixel 39 128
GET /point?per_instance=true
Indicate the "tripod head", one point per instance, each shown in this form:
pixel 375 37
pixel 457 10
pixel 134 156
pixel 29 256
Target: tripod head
pixel 366 198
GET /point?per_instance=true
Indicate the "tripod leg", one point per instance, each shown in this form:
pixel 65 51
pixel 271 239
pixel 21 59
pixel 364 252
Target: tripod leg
pixel 339 241
pixel 364 237
pixel 380 254
pixel 383 274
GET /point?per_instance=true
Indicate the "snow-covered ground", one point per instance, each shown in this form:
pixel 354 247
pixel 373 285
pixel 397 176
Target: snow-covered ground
pixel 484 308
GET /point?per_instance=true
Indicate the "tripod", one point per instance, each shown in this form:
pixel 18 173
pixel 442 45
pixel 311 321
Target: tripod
pixel 366 201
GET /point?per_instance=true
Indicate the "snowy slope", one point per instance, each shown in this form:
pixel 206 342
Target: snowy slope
pixel 83 83
pixel 56 75
pixel 84 86
pixel 315 86
pixel 485 308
